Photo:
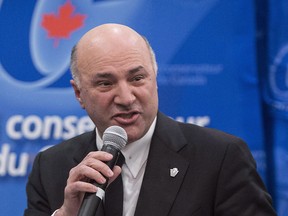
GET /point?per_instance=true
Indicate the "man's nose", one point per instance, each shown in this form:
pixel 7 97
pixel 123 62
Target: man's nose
pixel 124 94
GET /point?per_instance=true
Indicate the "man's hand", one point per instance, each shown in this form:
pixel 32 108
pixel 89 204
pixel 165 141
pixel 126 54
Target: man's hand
pixel 92 167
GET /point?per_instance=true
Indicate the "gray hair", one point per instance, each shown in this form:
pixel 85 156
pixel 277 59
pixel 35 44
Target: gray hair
pixel 73 65
pixel 75 72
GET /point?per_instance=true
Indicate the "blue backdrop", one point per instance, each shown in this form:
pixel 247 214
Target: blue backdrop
pixel 222 64
pixel 274 76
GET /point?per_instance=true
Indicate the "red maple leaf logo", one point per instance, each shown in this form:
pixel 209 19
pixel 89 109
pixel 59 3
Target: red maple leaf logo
pixel 61 25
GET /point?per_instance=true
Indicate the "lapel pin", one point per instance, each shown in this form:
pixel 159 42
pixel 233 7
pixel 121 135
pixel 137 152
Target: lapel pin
pixel 173 172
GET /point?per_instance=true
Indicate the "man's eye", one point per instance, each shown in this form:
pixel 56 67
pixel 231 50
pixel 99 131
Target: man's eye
pixel 138 78
pixel 104 83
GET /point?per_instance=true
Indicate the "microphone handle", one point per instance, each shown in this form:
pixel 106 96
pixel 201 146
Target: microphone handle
pixel 91 201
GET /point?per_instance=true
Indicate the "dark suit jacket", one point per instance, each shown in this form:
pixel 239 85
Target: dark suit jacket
pixel 217 174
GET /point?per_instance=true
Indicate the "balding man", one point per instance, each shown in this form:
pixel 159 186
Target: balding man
pixel 170 168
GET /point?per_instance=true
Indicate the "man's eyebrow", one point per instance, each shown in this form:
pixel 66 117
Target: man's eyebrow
pixel 109 75
pixel 103 75
pixel 135 70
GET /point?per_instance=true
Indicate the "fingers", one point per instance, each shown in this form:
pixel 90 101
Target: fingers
pixel 92 167
pixel 80 186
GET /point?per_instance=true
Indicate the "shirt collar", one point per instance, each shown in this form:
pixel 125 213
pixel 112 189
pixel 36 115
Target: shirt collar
pixel 135 153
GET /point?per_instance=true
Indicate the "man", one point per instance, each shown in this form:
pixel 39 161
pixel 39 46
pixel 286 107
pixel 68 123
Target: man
pixel 114 78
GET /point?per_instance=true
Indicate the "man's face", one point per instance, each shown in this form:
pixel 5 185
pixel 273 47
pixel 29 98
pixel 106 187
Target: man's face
pixel 118 87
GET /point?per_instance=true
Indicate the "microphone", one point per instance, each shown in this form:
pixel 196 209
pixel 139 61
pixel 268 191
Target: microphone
pixel 114 139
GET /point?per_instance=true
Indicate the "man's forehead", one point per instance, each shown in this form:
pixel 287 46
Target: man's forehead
pixel 129 71
pixel 117 54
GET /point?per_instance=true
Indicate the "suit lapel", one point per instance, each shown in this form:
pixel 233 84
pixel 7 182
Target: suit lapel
pixel 86 144
pixel 159 189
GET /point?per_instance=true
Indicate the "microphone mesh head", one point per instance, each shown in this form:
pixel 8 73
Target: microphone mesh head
pixel 115 136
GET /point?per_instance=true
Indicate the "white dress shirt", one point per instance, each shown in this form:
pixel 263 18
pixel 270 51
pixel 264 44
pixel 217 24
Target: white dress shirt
pixel 133 169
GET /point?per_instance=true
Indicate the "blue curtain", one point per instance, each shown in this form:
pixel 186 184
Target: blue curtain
pixel 272 17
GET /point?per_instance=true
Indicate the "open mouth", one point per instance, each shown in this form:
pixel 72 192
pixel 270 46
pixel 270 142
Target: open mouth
pixel 126 118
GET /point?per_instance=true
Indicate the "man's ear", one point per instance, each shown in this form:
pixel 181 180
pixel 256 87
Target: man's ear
pixel 77 93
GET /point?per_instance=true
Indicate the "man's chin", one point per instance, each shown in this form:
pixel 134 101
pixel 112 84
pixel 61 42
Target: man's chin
pixel 133 134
